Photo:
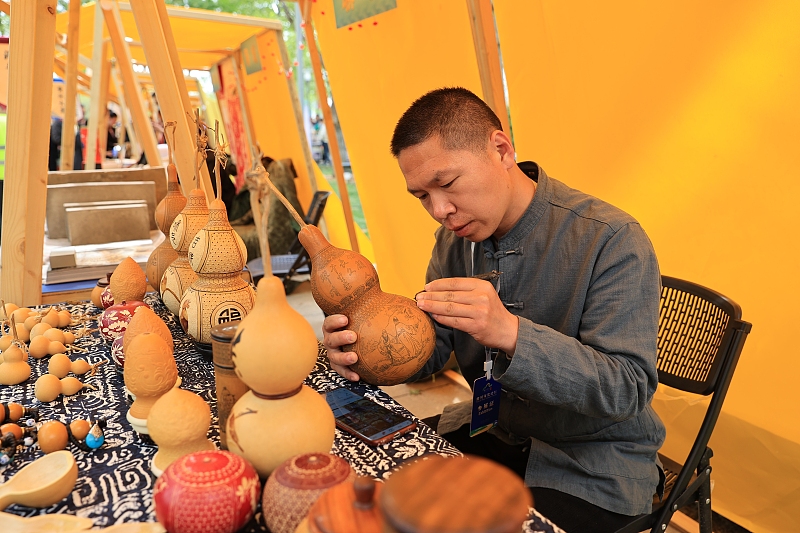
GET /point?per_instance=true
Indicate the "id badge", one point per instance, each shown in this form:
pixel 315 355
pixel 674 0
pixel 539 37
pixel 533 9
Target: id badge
pixel 485 405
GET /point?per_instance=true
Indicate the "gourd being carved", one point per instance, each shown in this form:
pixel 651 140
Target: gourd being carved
pixel 395 338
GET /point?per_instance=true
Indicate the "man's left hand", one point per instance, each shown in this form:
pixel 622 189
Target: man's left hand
pixel 472 306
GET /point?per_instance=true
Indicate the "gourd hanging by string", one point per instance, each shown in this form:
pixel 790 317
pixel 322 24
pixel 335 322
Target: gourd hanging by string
pixel 395 338
pixel 166 211
pixel 179 275
pixel 217 254
pixel 256 181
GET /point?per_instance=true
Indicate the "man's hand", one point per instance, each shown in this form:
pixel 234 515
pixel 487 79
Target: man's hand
pixel 333 338
pixel 472 306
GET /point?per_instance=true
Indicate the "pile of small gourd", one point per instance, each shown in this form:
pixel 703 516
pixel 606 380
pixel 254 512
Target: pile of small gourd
pixel 41 328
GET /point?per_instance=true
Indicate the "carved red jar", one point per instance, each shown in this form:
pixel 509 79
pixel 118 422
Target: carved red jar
pixel 206 492
pixel 296 484
pixel 114 320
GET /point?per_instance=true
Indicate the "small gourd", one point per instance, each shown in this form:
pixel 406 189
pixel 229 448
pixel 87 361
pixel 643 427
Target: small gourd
pixel 39 347
pixel 48 387
pixel 128 283
pixel 38 329
pixel 60 365
pixel 55 334
pixel 394 337
pixel 14 369
pixel 64 318
pixel 179 275
pixel 166 211
pixel 51 318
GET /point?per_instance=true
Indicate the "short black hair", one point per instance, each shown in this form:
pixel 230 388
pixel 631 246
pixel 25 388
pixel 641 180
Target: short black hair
pixel 460 118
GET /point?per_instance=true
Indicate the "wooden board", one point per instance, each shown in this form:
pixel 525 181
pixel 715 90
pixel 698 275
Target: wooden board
pixel 33 25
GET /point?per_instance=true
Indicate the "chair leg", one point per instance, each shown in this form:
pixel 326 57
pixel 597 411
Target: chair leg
pixel 704 498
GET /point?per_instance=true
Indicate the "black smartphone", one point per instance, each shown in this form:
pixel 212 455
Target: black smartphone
pixel 370 422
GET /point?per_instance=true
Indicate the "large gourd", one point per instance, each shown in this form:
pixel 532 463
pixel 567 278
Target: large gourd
pixel 166 211
pixel 395 338
pixel 218 255
pixel 273 350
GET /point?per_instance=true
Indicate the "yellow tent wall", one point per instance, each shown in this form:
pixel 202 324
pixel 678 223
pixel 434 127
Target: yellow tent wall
pixel 686 114
pixel 376 69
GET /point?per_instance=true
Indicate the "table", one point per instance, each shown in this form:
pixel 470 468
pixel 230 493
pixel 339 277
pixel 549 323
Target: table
pixel 115 483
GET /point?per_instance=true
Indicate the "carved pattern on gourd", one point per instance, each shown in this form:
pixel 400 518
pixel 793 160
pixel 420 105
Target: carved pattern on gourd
pixel 329 287
pixel 396 338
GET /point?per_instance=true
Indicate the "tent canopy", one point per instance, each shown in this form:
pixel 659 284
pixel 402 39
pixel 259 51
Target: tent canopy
pixel 202 37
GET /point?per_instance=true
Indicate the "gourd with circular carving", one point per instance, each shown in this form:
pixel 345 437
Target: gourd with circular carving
pixel 395 338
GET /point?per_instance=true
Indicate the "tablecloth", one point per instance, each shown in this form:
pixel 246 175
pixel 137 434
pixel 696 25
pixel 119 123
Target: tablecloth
pixel 115 483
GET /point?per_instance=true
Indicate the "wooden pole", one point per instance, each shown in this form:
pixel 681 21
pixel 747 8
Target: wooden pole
pixel 333 143
pixel 130 85
pixel 298 116
pixel 104 74
pixel 484 37
pixel 97 114
pixel 161 53
pixel 71 85
pixel 30 80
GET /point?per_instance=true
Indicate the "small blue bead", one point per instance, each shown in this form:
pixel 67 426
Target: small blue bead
pixel 94 442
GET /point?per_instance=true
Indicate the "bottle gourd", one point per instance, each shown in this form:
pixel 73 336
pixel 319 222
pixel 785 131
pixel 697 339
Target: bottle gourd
pixel 395 338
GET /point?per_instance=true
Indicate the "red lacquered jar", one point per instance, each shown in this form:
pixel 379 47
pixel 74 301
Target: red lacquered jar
pixel 206 492
pixel 114 320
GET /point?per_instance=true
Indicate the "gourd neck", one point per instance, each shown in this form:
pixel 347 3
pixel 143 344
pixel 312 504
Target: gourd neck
pixel 313 240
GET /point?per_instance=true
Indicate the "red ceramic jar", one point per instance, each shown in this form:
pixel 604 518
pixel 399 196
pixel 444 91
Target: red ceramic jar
pixel 296 484
pixel 114 320
pixel 117 354
pixel 206 492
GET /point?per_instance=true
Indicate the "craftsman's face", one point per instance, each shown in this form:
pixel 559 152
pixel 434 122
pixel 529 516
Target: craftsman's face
pixel 466 192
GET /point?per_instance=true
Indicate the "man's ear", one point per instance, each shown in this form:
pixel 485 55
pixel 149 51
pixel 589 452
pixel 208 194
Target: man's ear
pixel 502 143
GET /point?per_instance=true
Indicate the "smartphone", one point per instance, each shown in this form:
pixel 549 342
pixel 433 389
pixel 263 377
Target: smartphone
pixel 370 422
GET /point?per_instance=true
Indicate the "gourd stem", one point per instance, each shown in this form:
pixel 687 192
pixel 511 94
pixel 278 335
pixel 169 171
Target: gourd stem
pixel 284 201
pixel 14 329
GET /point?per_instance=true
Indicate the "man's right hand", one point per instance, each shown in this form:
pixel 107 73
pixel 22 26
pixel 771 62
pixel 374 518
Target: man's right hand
pixel 333 338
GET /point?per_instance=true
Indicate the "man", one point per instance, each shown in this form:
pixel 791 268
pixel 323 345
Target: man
pixel 574 316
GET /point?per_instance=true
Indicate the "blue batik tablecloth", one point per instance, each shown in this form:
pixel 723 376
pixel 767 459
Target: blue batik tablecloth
pixel 115 483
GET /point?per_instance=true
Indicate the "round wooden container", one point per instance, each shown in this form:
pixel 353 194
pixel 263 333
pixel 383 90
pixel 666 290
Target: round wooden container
pixel 296 484
pixel 455 495
pixel 206 492
pixel 229 387
pixel 349 507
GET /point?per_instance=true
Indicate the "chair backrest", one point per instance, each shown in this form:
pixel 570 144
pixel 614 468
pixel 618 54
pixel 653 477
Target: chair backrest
pixel 697 329
pixel 700 337
pixel 316 207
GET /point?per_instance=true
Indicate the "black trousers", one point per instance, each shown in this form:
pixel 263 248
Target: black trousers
pixel 568 512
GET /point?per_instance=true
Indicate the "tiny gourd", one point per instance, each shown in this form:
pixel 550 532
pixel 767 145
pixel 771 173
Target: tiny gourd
pixel 48 387
pixel 14 369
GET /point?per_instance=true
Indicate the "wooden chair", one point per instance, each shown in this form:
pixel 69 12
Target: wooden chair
pixel 700 338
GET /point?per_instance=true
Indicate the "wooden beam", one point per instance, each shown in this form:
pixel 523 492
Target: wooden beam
pixel 97 115
pixel 5 7
pixel 105 77
pixel 297 107
pixel 30 74
pixel 71 86
pixel 487 53
pixel 173 97
pixel 333 143
pixel 130 86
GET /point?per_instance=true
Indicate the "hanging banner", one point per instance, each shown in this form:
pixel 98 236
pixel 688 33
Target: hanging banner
pixel 251 57
pixel 351 11
pixel 231 107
